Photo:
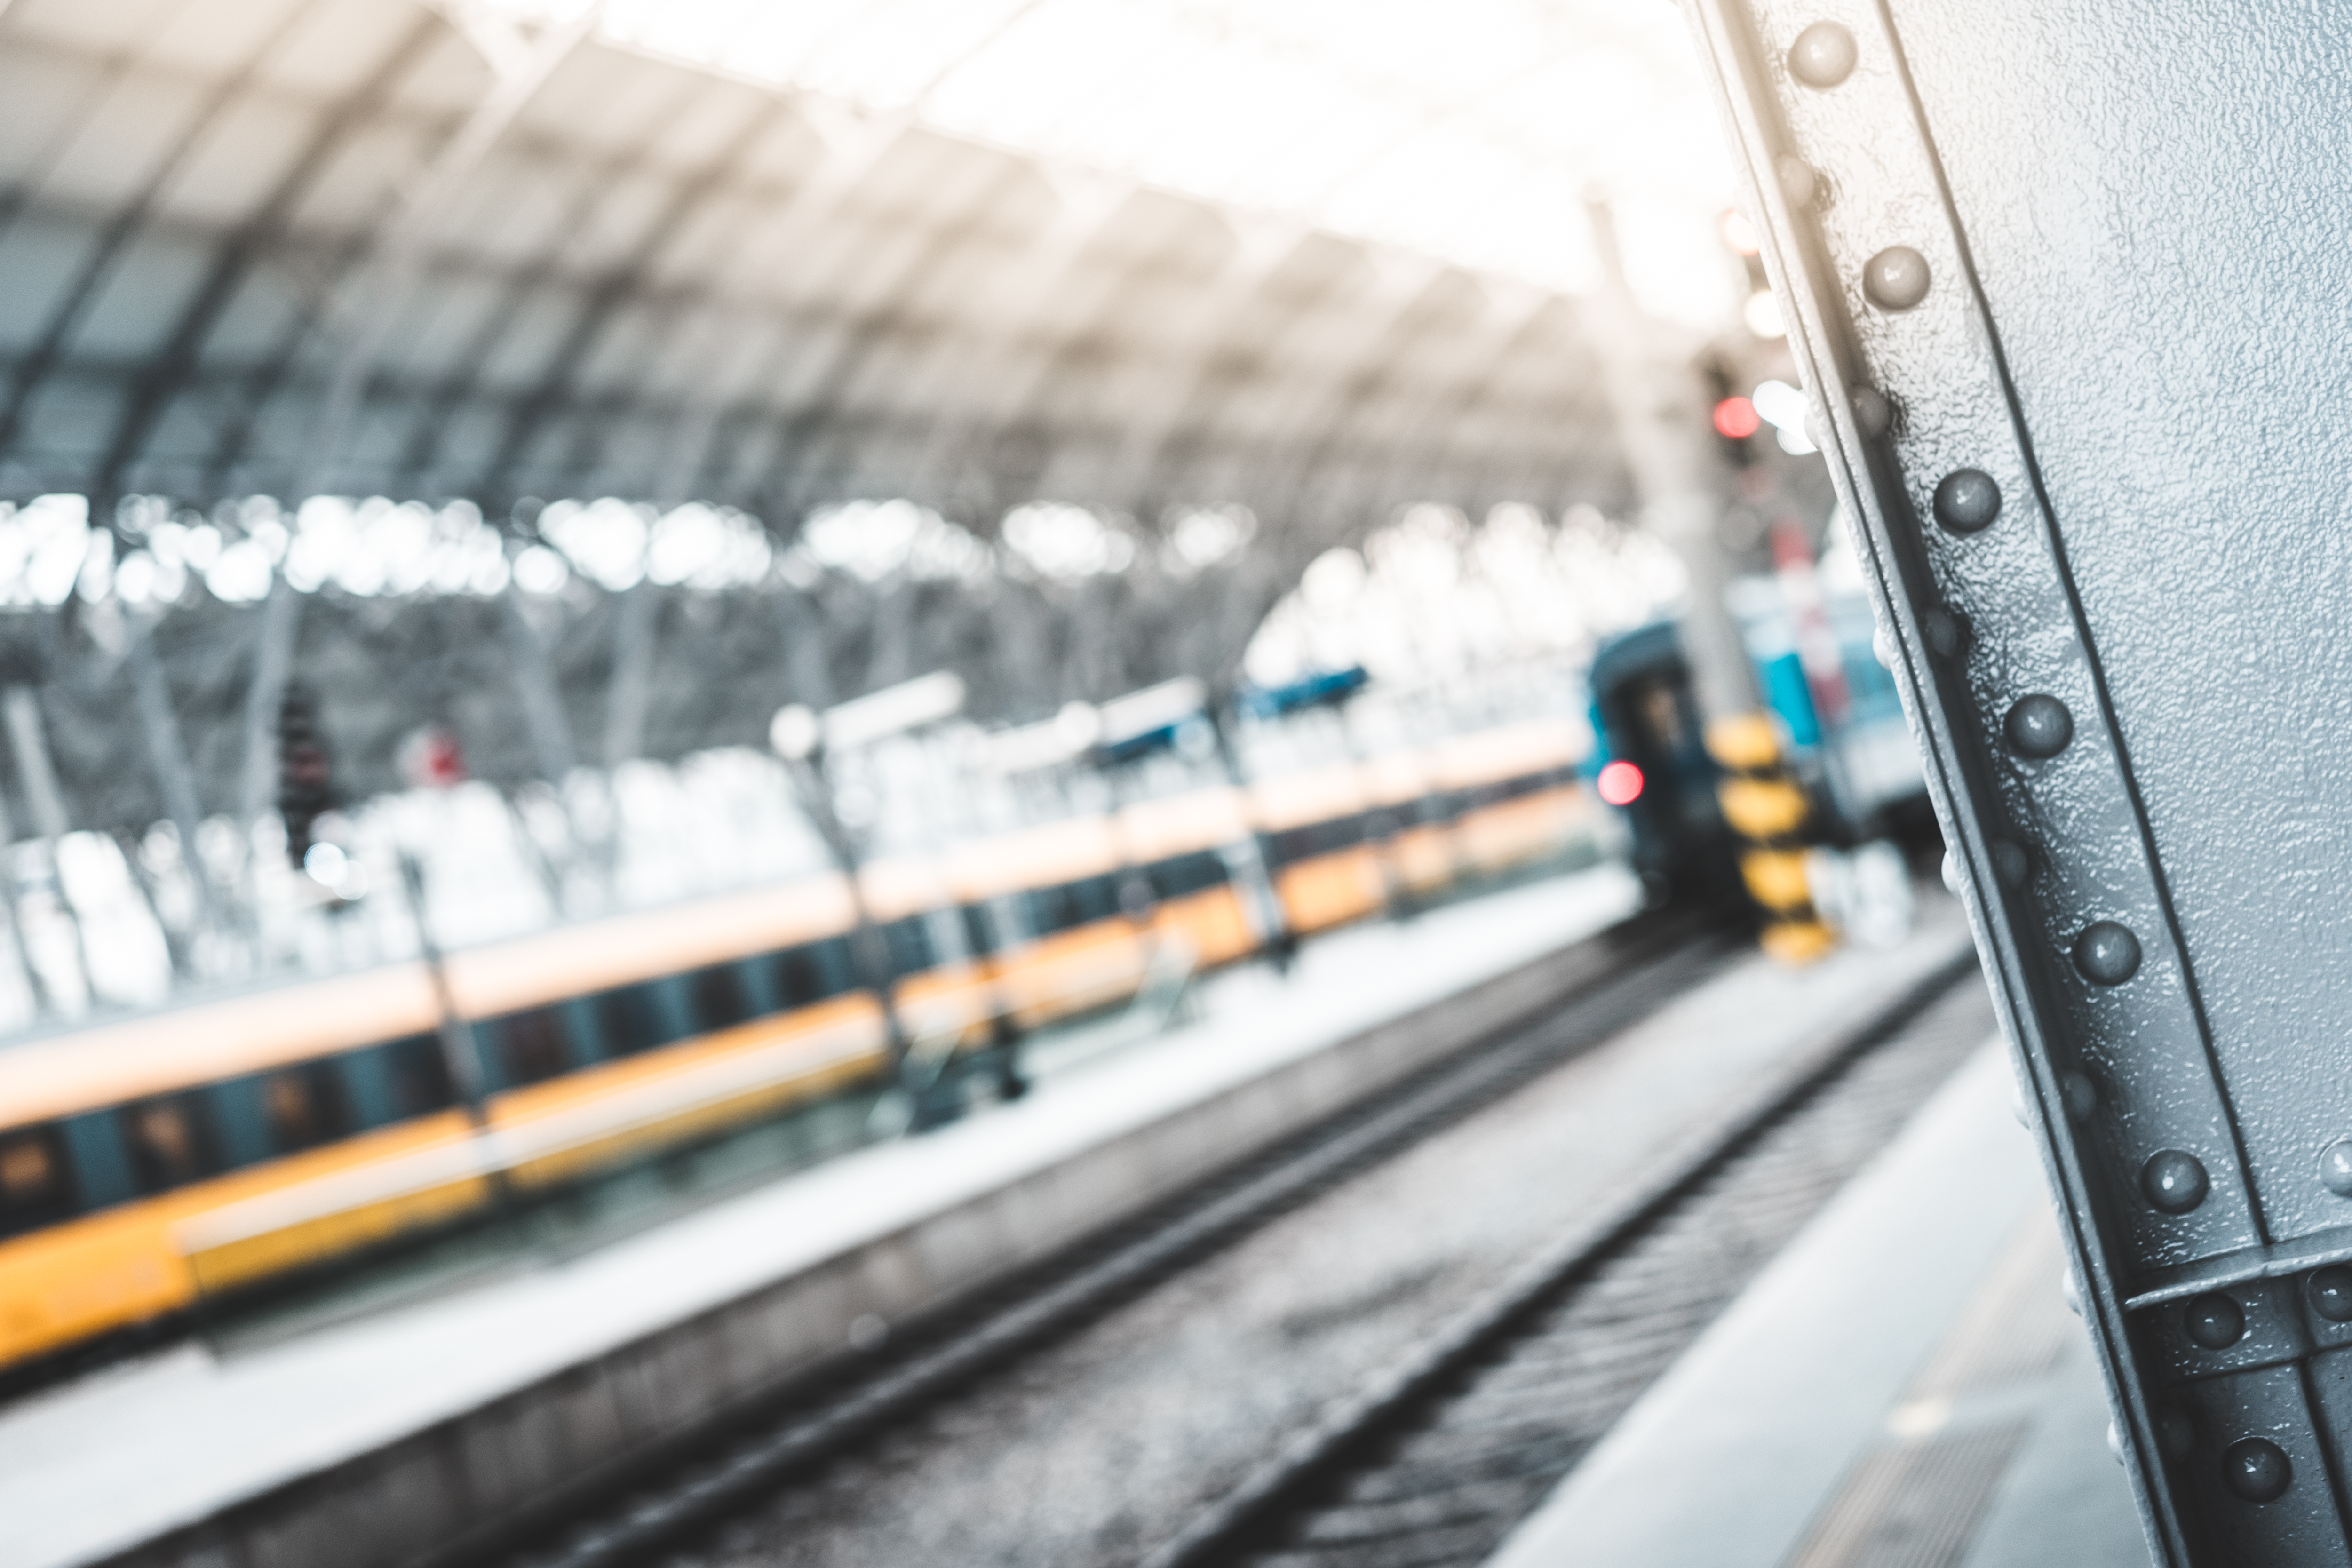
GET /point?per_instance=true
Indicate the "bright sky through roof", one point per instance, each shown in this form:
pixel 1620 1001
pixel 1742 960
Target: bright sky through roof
pixel 1469 130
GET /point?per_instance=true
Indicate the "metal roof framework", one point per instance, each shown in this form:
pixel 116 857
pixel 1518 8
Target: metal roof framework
pixel 366 247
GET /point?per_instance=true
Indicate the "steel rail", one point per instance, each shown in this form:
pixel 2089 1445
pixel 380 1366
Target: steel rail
pixel 1619 976
pixel 1434 1462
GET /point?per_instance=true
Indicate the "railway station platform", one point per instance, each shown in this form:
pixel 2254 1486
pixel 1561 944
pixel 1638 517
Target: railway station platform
pixel 444 1415
pixel 1904 1387
pixel 495 1388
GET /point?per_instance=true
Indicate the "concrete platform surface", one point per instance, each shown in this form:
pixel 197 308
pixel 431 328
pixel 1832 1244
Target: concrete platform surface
pixel 1903 1388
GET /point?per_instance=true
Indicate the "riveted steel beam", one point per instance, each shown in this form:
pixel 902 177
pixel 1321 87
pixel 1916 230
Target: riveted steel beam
pixel 2004 237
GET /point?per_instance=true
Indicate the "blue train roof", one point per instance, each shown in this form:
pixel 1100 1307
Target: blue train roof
pixel 1644 647
pixel 1308 691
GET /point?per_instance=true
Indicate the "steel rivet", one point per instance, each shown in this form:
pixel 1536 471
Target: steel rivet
pixel 2081 1096
pixel 2335 1168
pixel 2214 1320
pixel 1822 56
pixel 1872 412
pixel 2039 726
pixel 1896 279
pixel 2106 953
pixel 2070 1291
pixel 2114 1444
pixel 1951 870
pixel 2174 1181
pixel 2331 1293
pixel 2256 1469
pixel 1967 500
pixel 1800 186
pixel 2176 1434
pixel 2010 863
pixel 1946 634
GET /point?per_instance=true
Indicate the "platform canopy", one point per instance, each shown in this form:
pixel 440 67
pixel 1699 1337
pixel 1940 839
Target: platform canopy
pixel 1317 259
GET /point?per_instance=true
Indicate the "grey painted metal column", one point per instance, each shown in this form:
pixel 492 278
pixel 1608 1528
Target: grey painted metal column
pixel 2071 289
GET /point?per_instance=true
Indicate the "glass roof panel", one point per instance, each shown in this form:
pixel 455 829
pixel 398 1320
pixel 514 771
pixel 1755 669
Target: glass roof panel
pixel 1470 132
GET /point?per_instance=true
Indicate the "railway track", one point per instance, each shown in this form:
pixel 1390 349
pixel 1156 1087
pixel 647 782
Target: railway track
pixel 1433 1467
pixel 1626 973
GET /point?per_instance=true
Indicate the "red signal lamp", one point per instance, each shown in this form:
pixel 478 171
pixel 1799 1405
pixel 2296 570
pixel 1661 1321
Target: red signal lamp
pixel 1620 783
pixel 1735 419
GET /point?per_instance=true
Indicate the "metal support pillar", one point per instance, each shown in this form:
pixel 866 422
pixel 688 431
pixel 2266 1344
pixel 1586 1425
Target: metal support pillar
pixel 20 707
pixel 2002 234
pixel 1252 859
pixel 628 692
pixel 265 697
pixel 36 984
pixel 169 754
pixel 870 951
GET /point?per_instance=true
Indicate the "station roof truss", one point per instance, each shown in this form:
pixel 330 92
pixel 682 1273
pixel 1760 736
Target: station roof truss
pixel 372 247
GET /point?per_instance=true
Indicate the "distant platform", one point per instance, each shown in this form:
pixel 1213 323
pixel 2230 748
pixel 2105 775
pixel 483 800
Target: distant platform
pixel 1903 1388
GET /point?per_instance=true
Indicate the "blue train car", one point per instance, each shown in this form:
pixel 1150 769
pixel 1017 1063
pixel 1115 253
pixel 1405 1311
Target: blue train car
pixel 1649 758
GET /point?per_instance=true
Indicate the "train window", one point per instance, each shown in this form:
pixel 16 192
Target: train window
pixel 910 947
pixel 530 1046
pixel 1050 910
pixel 1661 714
pixel 1181 874
pixel 170 1142
pixel 240 1121
pixel 631 1021
pixel 35 1186
pixel 1513 788
pixel 585 1030
pixel 1008 918
pixel 799 978
pixel 1137 897
pixel 638 1017
pixel 418 1077
pixel 101 1164
pixel 305 1106
pixel 814 971
pixel 719 996
pixel 835 971
pixel 1324 838
pixel 980 936
pixel 1093 899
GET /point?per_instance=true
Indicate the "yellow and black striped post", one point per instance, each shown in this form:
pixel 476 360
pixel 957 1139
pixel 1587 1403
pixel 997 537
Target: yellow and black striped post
pixel 1768 809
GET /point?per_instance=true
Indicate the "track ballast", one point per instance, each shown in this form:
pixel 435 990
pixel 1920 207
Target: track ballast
pixel 684 1492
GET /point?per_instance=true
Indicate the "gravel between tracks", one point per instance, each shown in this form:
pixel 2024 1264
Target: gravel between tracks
pixel 1096 1449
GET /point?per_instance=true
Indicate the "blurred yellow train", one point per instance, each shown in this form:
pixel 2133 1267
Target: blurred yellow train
pixel 222 1145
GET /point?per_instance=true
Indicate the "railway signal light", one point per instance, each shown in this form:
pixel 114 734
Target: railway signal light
pixel 431 758
pixel 1730 413
pixel 1620 783
pixel 1735 419
pixel 305 776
